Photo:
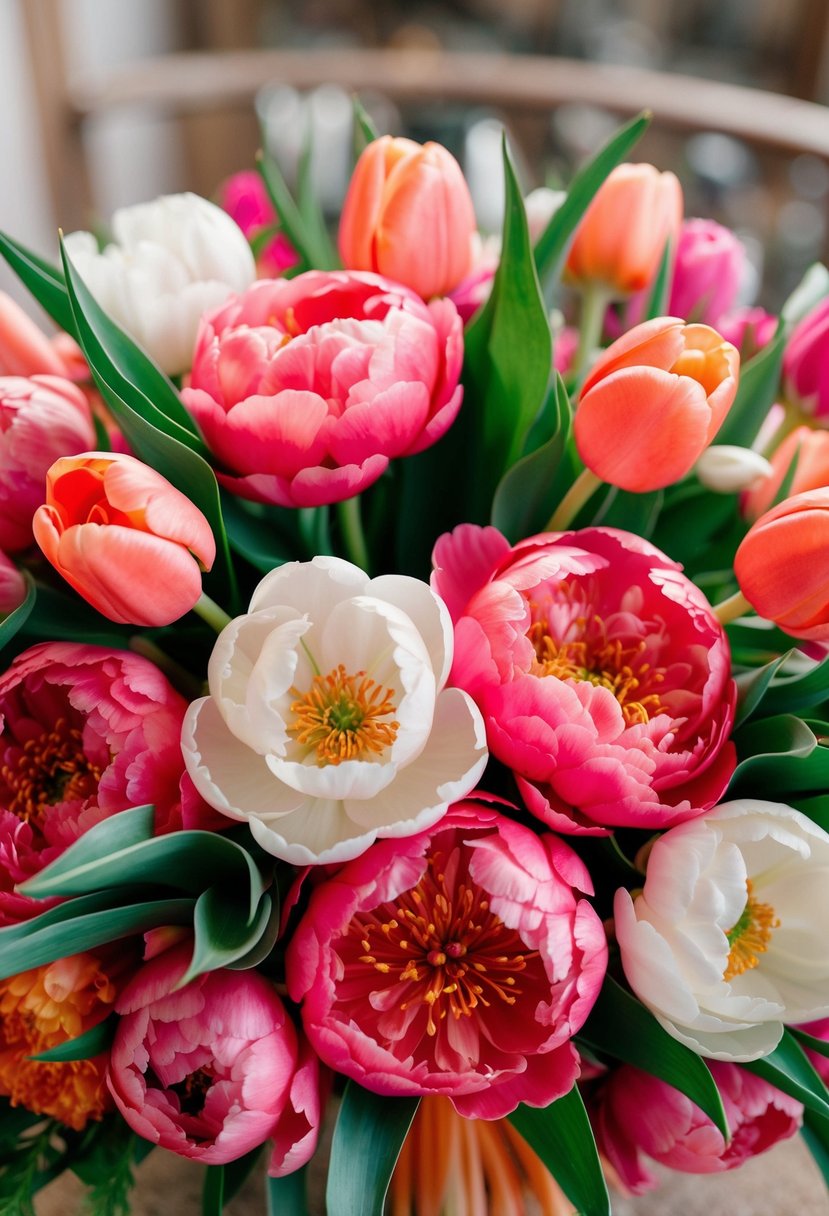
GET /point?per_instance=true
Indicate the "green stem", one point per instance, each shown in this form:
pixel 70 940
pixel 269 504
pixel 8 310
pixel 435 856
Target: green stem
pixel 210 611
pixel 792 418
pixel 736 605
pixel 351 526
pixel 582 488
pixel 594 303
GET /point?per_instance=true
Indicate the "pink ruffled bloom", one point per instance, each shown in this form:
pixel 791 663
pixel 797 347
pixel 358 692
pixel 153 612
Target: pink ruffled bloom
pixel 601 671
pixel 639 1116
pixel 41 418
pixel 457 962
pixel 304 389
pixel 209 1070
pixel 806 364
pixel 87 732
pixel 245 198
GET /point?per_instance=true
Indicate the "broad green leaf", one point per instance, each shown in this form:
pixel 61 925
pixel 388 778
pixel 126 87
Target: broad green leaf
pixel 287 1196
pixel 789 1069
pixel 223 934
pixel 756 394
pixel 256 536
pixel 213 1191
pixel 290 217
pixel 660 292
pixel 267 939
pixel 45 282
pixel 58 616
pixel 621 1027
pixel 636 513
pixel 752 687
pixel 551 247
pixel 779 756
pixel 815 1132
pixel 368 1137
pixel 821 1046
pixel 562 1137
pixel 237 1172
pixel 365 131
pixel 815 808
pixel 91 1043
pixel 116 832
pixel 14 622
pixel 794 694
pixel 323 254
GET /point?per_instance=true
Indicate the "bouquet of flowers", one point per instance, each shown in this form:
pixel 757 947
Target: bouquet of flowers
pixel 414 708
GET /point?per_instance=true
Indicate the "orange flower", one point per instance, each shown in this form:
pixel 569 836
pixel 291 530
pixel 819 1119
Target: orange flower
pixel 812 472
pixel 620 240
pixel 40 1009
pixel 408 215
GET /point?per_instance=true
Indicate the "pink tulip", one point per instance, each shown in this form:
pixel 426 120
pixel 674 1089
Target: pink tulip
pixel 41 418
pixel 749 329
pixel 246 200
pixel 205 1070
pixel 87 732
pixel 124 538
pixel 12 586
pixel 460 962
pixel 601 671
pixel 637 1116
pixel 653 403
pixel 408 216
pixel 806 364
pixel 708 270
pixel 305 389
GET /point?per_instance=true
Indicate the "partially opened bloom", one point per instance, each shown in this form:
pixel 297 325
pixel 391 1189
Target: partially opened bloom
pixel 620 241
pixel 245 198
pixel 129 542
pixel 602 674
pixel 810 448
pixel 41 418
pixel 305 389
pixel 638 1116
pixel 408 215
pixel 653 402
pixel 204 1070
pixel 459 962
pixel 782 565
pixel 171 260
pixel 805 364
pixel 726 941
pixel 328 721
pixel 708 271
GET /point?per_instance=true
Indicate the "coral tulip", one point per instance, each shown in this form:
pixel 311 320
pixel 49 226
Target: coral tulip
pixel 782 565
pixel 125 539
pixel 653 402
pixel 408 215
pixel 811 472
pixel 621 238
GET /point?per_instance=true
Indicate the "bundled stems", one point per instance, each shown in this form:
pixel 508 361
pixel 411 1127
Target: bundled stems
pixel 594 303
pixel 351 526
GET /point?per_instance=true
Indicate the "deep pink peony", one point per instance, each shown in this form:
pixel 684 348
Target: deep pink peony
pixel 456 962
pixel 304 389
pixel 637 1116
pixel 86 732
pixel 208 1070
pixel 602 674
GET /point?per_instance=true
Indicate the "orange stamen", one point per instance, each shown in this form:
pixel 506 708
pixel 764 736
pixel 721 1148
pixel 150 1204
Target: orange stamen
pixel 340 716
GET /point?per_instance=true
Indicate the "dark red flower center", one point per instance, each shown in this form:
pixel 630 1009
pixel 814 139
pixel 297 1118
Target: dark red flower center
pixel 47 769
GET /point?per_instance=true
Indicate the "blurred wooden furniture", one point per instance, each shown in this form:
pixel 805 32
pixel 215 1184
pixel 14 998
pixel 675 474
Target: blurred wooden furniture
pixel 180 85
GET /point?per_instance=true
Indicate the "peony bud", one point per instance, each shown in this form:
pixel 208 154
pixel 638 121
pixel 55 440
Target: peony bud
pixel 408 215
pixel 806 364
pixel 125 539
pixel 725 468
pixel 653 402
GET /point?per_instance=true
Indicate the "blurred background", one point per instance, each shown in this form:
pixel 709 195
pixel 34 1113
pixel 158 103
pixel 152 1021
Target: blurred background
pixel 109 102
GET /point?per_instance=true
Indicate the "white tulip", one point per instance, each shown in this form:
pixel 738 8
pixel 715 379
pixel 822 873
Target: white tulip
pixel 728 469
pixel 329 723
pixel 727 940
pixel 172 260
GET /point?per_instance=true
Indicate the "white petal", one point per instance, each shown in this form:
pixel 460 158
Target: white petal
pixel 429 613
pixel 351 779
pixel 312 588
pixel 317 833
pixel 735 1045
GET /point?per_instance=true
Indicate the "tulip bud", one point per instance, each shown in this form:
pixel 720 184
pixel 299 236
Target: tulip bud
pixel 408 215
pixel 749 329
pixel 806 364
pixel 782 565
pixel 726 469
pixel 622 236
pixel 24 349
pixel 124 538
pixel 709 267
pixel 811 448
pixel 653 402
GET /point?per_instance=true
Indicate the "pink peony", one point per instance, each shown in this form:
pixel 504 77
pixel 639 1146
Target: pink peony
pixel 87 732
pixel 305 389
pixel 246 200
pixel 637 1115
pixel 208 1070
pixel 456 962
pixel 602 674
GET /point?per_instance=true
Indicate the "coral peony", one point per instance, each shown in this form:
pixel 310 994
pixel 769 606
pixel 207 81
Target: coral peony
pixel 602 674
pixel 459 962
pixel 328 722
pixel 305 389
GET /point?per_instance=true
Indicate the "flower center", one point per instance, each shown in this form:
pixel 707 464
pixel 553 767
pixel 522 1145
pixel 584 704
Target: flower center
pixel 48 769
pixel 750 935
pixel 442 941
pixel 342 717
pixel 192 1091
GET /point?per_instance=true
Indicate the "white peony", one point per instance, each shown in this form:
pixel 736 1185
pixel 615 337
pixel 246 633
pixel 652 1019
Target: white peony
pixel 727 940
pixel 172 260
pixel 328 722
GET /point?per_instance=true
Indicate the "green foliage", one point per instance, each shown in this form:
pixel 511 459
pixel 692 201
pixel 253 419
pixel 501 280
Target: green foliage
pixel 14 622
pixel 45 282
pixel 368 1137
pixel 788 1068
pixel 106 1167
pixel 562 1137
pixel 306 232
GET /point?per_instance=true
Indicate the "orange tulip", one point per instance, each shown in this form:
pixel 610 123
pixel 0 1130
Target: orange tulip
pixel 653 402
pixel 811 473
pixel 408 215
pixel 782 565
pixel 620 240
pixel 123 537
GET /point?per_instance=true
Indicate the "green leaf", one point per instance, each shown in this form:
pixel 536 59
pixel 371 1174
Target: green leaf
pixel 812 288
pixel 267 938
pixel 84 1046
pixel 290 217
pixel 778 756
pixel 45 282
pixel 57 616
pixel 365 131
pixel 322 252
pixel 789 1069
pixel 213 1191
pixel 368 1137
pixel 756 394
pixel 14 622
pixel 815 1132
pixel 562 1137
pixel 106 1166
pixel 816 808
pixel 657 305
pixel 237 1172
pixel 636 513
pixel 223 935
pixel 128 828
pixel 821 1046
pixel 257 537
pixel 794 694
pixel 752 687
pixel 621 1027
pixel 287 1196
pixel 551 247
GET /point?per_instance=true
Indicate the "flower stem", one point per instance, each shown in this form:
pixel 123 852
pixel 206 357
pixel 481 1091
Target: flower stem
pixel 594 302
pixel 736 605
pixel 792 418
pixel 210 611
pixel 585 484
pixel 351 525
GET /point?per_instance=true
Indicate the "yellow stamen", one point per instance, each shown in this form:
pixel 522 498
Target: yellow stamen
pixel 340 717
pixel 750 935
